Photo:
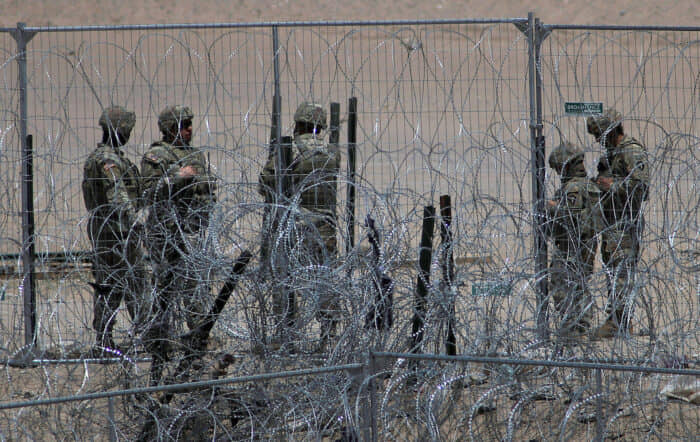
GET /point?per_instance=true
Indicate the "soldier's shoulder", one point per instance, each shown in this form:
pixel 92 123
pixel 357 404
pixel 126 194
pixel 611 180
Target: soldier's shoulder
pixel 159 152
pixel 630 143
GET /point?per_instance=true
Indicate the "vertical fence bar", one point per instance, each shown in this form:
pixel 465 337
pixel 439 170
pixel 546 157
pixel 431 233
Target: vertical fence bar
pixel 599 405
pixel 112 423
pixel 334 137
pixel 448 271
pixel 277 107
pixel 352 165
pixel 424 257
pixel 22 37
pixel 538 173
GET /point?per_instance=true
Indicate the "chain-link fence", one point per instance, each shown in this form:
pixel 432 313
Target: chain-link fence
pixel 443 131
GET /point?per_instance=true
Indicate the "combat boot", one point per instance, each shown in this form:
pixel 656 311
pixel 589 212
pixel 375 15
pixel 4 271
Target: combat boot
pixel 614 325
pixel 608 330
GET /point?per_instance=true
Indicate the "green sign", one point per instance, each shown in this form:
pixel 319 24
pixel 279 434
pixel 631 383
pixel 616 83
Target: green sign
pixel 491 288
pixel 582 108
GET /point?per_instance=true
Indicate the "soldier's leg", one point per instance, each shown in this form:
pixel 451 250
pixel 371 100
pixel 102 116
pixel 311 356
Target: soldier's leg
pixel 619 260
pixel 325 253
pixel 562 286
pixel 106 268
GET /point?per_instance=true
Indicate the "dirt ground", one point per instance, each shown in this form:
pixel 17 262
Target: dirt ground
pixel 109 12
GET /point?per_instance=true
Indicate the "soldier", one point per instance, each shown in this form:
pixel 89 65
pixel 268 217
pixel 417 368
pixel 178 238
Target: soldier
pixel 624 180
pixel 314 170
pixel 575 217
pixel 111 188
pixel 180 192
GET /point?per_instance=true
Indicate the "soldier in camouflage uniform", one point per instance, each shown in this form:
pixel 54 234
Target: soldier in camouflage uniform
pixel 314 170
pixel 574 218
pixel 624 180
pixel 180 193
pixel 111 188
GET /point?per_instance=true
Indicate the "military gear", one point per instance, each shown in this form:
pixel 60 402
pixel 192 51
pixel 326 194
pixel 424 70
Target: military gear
pixel 628 167
pixel 311 113
pixel 565 154
pixel 573 223
pixel 170 118
pixel 313 175
pixel 117 118
pixel 598 125
pixel 180 207
pixel 111 189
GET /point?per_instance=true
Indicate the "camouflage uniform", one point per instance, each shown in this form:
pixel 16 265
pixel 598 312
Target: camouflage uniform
pixel 178 218
pixel 628 165
pixel 314 170
pixel 111 188
pixel 574 221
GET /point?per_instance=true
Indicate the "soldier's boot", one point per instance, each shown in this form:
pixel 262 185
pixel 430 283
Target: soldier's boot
pixel 615 324
pixel 329 328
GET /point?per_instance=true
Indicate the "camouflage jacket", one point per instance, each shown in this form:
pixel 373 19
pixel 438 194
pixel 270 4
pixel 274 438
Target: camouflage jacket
pixel 577 216
pixel 111 187
pixel 628 165
pixel 175 200
pixel 314 174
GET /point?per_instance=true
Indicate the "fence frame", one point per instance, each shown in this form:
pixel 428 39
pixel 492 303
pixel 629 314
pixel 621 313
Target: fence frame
pixel 535 31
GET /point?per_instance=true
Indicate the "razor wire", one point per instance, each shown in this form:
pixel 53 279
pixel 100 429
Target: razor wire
pixel 443 109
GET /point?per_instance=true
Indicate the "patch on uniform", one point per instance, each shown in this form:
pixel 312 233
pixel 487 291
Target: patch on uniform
pixel 109 166
pixel 152 158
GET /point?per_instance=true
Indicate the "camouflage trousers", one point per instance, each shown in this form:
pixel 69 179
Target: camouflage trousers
pixel 310 252
pixel 181 288
pixel 569 273
pixel 620 254
pixel 119 274
pixel 181 279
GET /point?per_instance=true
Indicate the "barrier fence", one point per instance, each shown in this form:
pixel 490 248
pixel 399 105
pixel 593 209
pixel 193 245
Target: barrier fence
pixel 467 109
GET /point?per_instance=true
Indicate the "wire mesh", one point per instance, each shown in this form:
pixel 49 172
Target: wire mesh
pixel 443 109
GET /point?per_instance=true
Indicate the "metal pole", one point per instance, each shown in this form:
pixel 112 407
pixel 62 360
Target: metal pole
pixel 538 174
pixel 112 422
pixel 22 37
pixel 599 406
pixel 277 107
pixel 421 296
pixel 352 165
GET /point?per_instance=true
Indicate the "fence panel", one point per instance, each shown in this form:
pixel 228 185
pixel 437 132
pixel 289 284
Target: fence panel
pixel 444 109
pixel 649 76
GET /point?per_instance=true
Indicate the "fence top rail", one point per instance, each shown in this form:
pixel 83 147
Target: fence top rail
pixel 622 28
pixel 267 24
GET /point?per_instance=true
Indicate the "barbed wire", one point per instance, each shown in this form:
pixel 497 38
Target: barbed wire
pixel 443 110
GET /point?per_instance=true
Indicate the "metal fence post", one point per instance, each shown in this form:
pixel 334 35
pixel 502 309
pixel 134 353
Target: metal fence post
pixel 22 37
pixel 599 405
pixel 535 36
pixel 352 146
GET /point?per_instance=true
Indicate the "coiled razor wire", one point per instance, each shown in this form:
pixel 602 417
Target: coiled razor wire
pixel 443 110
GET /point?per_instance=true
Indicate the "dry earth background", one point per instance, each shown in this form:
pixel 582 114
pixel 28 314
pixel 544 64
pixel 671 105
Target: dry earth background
pixel 108 12
pixel 111 12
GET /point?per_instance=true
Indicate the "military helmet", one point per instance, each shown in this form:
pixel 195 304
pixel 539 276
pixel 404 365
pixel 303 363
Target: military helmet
pixel 117 117
pixel 311 113
pixel 171 117
pixel 565 153
pixel 597 125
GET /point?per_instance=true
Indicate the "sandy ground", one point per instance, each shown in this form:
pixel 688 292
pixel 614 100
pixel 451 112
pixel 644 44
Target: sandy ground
pixel 109 12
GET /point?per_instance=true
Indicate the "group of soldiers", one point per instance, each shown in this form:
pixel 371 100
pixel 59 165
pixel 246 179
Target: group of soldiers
pixel 605 210
pixel 177 191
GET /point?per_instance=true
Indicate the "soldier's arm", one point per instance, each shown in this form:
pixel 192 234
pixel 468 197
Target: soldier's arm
pixel 635 185
pixel 266 181
pixel 154 176
pixel 115 188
